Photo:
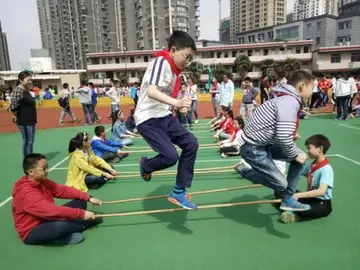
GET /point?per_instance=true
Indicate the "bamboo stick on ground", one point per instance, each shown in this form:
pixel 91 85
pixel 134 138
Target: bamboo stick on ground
pixel 196 170
pixel 192 193
pixel 209 206
pixel 174 173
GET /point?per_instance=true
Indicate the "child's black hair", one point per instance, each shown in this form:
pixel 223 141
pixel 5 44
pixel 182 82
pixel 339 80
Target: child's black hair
pixel 65 85
pixel 247 79
pixel 300 76
pixel 114 117
pixel 240 121
pixel 90 84
pixel 98 130
pixel 319 140
pixel 77 141
pixel 31 161
pixel 181 40
pixel 230 113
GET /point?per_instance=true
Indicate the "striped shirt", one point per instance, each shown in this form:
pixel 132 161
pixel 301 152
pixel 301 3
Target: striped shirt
pixel 267 127
pixel 158 73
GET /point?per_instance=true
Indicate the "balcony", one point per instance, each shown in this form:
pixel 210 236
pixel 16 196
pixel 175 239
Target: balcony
pixel 197 13
pixel 197 3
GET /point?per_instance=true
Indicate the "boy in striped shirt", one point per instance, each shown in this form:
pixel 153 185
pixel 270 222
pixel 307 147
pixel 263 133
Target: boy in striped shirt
pixel 159 91
pixel 271 134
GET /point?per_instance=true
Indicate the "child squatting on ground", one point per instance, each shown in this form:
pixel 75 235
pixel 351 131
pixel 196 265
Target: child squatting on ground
pixel 270 134
pixel 153 116
pixel 320 182
pixel 38 221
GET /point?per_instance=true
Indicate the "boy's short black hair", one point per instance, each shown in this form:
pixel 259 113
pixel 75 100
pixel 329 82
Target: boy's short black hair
pixel 90 84
pixel 247 79
pixel 181 40
pixel 319 140
pixel 31 161
pixel 65 85
pixel 98 130
pixel 300 76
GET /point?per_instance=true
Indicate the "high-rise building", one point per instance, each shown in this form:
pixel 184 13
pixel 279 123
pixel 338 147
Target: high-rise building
pixel 4 52
pixel 225 30
pixel 248 15
pixel 348 7
pixel 72 28
pixel 310 8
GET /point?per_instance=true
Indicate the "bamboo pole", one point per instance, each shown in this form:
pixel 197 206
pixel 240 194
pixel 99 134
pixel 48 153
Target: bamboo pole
pixel 174 173
pixel 151 150
pixel 209 206
pixel 192 193
pixel 196 170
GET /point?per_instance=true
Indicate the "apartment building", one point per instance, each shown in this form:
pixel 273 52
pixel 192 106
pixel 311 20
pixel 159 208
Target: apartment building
pixel 304 9
pixel 4 52
pixel 325 30
pixel 248 15
pixel 225 30
pixel 104 66
pixel 349 7
pixel 72 28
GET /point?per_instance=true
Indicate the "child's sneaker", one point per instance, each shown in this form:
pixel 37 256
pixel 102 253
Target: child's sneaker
pixel 242 166
pixel 61 123
pixel 145 176
pixel 77 120
pixel 288 217
pixel 196 121
pixel 293 205
pixel 223 155
pixel 182 200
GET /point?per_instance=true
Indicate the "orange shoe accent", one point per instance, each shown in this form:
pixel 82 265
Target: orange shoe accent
pixel 173 201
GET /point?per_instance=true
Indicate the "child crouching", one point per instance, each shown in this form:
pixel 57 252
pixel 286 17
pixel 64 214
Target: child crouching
pixel 320 182
pixel 37 219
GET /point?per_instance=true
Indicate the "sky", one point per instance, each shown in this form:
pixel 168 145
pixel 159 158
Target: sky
pixel 21 26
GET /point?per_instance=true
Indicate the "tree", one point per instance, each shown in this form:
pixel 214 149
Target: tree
pixel 242 65
pixel 85 76
pixel 123 78
pixel 291 65
pixel 266 66
pixel 140 76
pixel 195 69
pixel 219 71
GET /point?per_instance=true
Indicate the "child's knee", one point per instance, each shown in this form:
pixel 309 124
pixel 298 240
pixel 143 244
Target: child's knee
pixel 171 158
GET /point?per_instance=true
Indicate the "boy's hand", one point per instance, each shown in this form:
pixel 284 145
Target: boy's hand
pixel 301 158
pixel 95 201
pixel 113 172
pixel 183 110
pixel 89 215
pixel 184 102
pixel 297 136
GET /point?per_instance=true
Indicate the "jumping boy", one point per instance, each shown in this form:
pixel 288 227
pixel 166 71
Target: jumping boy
pixel 38 221
pixel 153 117
pixel 270 134
pixel 320 182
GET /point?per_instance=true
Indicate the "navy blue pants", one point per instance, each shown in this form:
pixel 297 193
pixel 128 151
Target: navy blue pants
pixel 161 134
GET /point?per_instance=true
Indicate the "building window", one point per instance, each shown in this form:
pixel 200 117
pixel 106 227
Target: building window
pixel 234 54
pixel 271 35
pixel 146 58
pixel 103 61
pixel 344 25
pixel 117 60
pixel 318 41
pixel 249 52
pixel 355 57
pixel 344 39
pixel 306 50
pixel 289 32
pixel 318 26
pixel 335 58
pixel 298 50
pixel 266 51
pixel 133 74
pixel 309 26
pixel 218 55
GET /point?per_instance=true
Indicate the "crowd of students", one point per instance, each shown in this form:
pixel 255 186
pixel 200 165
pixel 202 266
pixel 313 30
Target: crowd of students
pixel 265 142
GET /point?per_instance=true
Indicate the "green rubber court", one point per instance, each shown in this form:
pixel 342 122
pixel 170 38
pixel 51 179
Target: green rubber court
pixel 245 237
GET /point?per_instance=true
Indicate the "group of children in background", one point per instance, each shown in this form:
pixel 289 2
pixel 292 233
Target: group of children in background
pixel 268 136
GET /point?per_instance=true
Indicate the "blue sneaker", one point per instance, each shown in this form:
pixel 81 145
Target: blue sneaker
pixel 242 166
pixel 145 176
pixel 293 205
pixel 182 200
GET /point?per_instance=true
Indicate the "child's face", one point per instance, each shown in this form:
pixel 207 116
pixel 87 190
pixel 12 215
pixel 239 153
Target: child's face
pixel 40 172
pixel 181 57
pixel 103 134
pixel 86 144
pixel 121 116
pixel 247 84
pixel 305 90
pixel 236 125
pixel 314 152
pixel 183 88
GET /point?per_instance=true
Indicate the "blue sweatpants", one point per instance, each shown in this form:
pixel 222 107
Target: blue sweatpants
pixel 161 134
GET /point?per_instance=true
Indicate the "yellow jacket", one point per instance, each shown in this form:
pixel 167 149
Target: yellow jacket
pixel 79 168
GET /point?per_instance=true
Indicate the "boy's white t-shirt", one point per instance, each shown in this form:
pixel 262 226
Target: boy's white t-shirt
pixel 158 73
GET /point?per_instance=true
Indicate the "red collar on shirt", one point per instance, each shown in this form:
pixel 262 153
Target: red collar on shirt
pixel 165 53
pixel 314 167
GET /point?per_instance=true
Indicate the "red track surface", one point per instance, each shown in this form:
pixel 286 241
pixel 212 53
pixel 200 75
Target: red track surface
pixel 49 117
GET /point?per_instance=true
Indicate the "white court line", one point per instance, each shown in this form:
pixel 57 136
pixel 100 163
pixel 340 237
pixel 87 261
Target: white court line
pixel 51 169
pixel 347 126
pixel 137 164
pixel 348 159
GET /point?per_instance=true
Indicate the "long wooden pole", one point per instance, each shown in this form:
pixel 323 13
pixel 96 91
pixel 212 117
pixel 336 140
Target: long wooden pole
pixel 151 150
pixel 175 171
pixel 192 193
pixel 210 206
